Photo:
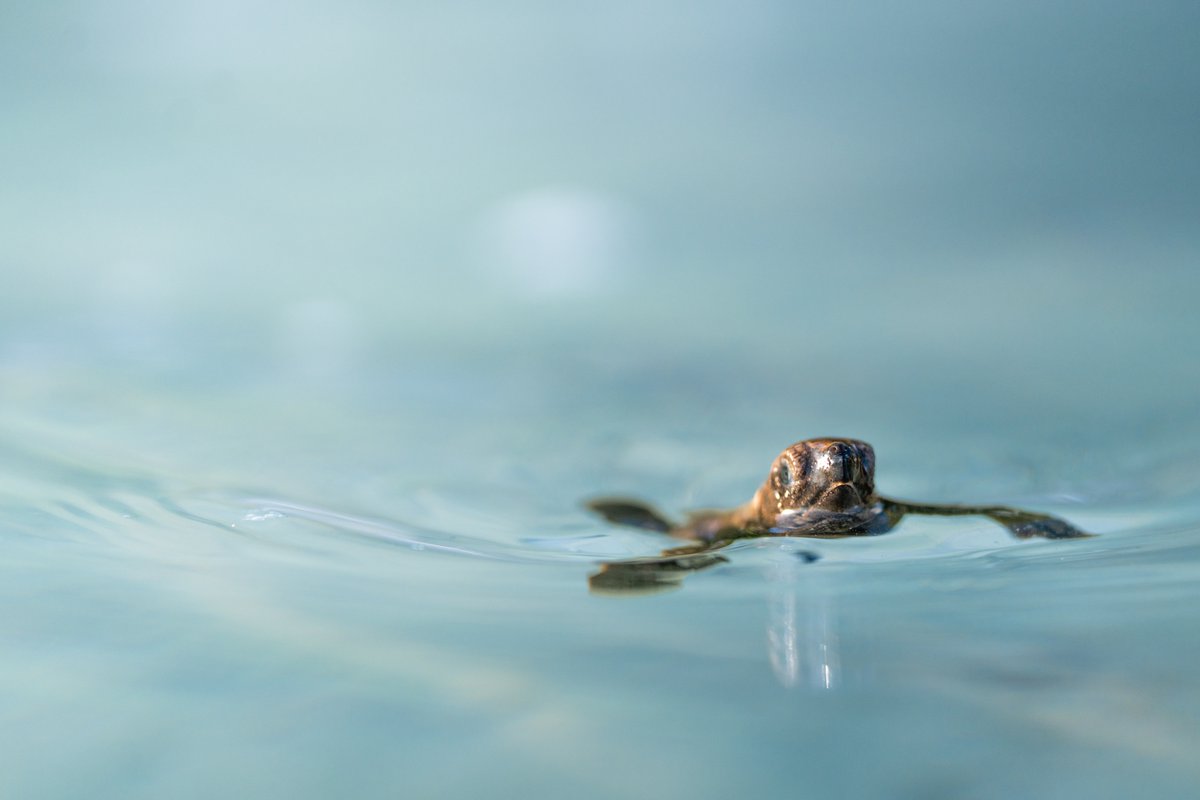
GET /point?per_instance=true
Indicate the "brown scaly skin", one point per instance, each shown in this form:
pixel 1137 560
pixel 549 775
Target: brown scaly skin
pixel 818 488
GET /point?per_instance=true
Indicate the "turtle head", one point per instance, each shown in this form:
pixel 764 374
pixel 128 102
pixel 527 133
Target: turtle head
pixel 829 474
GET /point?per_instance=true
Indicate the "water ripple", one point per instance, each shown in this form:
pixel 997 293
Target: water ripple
pixel 253 513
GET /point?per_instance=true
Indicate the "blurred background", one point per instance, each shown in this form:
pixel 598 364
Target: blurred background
pixel 238 233
pixel 938 184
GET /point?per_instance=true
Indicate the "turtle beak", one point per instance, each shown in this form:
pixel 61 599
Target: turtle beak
pixel 841 497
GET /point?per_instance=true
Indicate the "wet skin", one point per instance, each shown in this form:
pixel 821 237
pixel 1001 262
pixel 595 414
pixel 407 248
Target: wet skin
pixel 818 488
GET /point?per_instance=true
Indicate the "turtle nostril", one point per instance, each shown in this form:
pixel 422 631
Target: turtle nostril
pixel 844 460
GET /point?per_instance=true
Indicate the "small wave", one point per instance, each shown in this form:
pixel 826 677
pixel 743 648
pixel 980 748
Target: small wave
pixel 249 513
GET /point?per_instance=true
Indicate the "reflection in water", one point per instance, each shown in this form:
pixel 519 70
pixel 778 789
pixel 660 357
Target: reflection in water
pixel 802 632
pixel 651 575
pixel 802 640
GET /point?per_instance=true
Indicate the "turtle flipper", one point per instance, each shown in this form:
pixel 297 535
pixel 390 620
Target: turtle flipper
pixel 630 513
pixel 1028 524
pixel 1021 524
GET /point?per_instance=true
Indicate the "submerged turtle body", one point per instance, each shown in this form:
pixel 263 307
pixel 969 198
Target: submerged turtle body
pixel 821 488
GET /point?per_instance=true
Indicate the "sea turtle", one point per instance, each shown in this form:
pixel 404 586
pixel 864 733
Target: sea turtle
pixel 817 488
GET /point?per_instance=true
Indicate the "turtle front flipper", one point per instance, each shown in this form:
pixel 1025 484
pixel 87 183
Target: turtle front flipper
pixel 1028 524
pixel 1021 524
pixel 630 513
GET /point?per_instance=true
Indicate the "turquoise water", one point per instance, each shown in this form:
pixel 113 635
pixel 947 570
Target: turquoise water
pixel 316 335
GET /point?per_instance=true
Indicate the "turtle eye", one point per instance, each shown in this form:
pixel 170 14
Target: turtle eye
pixel 785 474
